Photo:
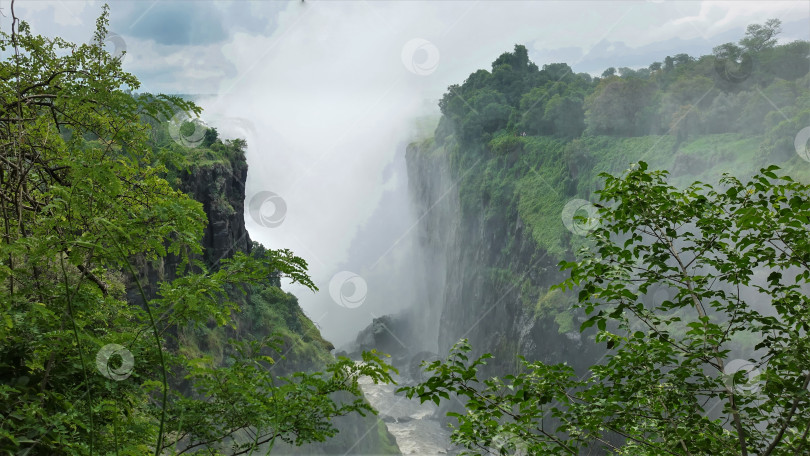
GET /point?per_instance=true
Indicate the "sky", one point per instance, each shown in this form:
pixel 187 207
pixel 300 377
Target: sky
pixel 327 92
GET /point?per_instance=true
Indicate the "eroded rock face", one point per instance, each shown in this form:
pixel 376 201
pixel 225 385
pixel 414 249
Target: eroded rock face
pixel 493 272
pixel 220 187
pixel 383 334
pixel 394 335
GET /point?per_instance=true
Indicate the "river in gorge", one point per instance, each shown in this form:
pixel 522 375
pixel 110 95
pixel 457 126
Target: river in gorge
pixel 414 425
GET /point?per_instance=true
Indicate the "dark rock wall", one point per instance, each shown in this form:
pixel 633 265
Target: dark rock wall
pixel 220 187
pixel 493 273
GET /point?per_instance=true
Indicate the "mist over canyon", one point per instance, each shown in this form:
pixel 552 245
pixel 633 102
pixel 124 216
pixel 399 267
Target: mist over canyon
pixel 405 228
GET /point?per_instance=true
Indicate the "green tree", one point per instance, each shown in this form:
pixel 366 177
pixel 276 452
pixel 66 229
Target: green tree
pixel 761 36
pixel 210 137
pixel 558 71
pixel 627 72
pixel 720 366
pixel 614 107
pixel 728 51
pixel 533 111
pixel 513 73
pixel 566 115
pixel 85 207
pixel 682 59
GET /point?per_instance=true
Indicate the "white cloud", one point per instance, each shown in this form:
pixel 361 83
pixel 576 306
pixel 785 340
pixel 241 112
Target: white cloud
pixel 719 16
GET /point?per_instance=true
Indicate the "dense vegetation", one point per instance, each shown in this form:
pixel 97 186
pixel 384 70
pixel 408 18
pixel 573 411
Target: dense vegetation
pixel 735 260
pixel 517 96
pixel 96 357
pixel 121 332
pixel 697 117
pixel 674 101
pixel 730 260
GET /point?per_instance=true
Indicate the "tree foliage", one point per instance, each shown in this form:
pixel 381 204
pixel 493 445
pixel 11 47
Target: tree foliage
pixel 761 36
pixel 615 107
pixel 698 295
pixel 720 366
pixel 85 205
pixel 517 96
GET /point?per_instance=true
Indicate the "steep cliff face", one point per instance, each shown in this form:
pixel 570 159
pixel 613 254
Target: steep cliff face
pixel 516 144
pixel 220 187
pixel 216 178
pixel 494 288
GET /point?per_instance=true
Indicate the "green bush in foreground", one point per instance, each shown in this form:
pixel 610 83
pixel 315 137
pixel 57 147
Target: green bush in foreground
pixel 735 263
pixel 84 368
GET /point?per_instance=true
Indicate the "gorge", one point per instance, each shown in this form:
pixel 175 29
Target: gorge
pixel 488 214
pixel 333 254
